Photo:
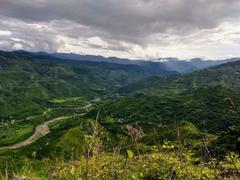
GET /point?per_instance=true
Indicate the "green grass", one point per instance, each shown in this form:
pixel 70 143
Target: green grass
pixel 15 133
pixel 59 101
pixel 22 129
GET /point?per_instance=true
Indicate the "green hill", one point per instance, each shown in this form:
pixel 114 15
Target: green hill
pixel 227 75
pixel 203 98
pixel 28 81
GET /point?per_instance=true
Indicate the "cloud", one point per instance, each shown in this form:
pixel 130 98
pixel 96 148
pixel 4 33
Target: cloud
pixel 133 28
pixel 31 37
pixel 5 33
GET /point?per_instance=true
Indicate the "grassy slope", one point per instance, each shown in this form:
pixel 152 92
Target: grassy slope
pixel 201 97
pixel 227 75
pixel 30 84
pixel 27 83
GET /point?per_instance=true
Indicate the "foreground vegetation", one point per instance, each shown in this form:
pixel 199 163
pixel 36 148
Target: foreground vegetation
pixel 170 160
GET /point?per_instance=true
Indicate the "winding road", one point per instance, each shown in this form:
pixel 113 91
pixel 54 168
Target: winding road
pixel 40 131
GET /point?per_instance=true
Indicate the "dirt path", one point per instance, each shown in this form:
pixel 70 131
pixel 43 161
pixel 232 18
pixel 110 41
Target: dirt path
pixel 40 131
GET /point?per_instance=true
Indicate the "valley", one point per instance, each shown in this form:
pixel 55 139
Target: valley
pixel 43 129
pixel 65 119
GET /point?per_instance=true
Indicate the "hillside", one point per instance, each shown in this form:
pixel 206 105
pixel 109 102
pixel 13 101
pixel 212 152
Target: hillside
pixel 163 106
pixel 226 75
pixel 28 81
pixel 208 99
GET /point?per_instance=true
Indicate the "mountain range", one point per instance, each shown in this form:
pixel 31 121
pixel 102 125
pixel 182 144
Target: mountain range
pixel 162 64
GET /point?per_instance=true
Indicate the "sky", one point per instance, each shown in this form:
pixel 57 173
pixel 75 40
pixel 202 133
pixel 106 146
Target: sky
pixel 135 29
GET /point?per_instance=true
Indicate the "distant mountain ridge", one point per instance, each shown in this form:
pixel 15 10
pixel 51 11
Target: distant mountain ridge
pixel 168 65
pixel 227 75
pixel 186 66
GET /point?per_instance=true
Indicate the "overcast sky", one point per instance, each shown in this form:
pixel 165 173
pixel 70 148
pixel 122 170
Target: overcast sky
pixel 137 29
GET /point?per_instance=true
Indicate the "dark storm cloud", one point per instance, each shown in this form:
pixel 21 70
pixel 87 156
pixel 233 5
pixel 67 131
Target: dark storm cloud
pixel 136 22
pixel 127 18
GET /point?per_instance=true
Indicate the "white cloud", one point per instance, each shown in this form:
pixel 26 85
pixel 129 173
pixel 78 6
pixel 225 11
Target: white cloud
pixel 98 42
pixel 5 33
